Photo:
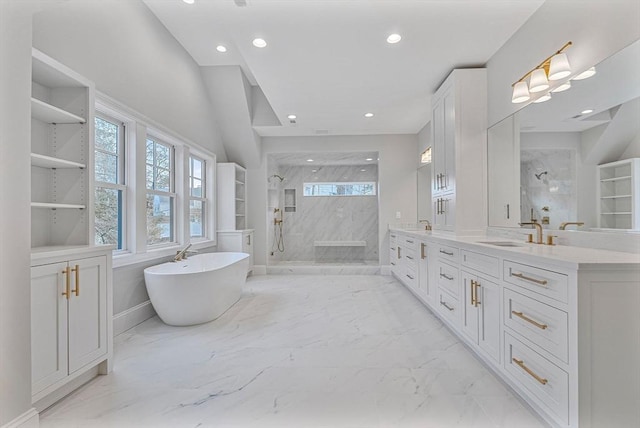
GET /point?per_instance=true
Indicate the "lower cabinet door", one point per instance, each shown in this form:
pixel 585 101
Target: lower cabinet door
pixel 488 296
pixel 469 307
pixel 87 311
pixel 48 325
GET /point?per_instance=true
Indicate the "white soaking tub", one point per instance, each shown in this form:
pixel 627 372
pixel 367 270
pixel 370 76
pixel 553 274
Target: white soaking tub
pixel 196 290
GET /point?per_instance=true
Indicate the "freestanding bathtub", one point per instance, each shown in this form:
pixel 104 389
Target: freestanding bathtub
pixel 196 290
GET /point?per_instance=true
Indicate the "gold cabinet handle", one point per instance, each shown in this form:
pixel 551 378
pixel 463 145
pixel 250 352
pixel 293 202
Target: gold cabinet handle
pixel 476 290
pixel 520 363
pixel 398 252
pixel 77 271
pixel 473 293
pixel 422 254
pixel 446 252
pixel 67 287
pixel 410 277
pixel 445 276
pixel 446 306
pixel 526 278
pixel 529 320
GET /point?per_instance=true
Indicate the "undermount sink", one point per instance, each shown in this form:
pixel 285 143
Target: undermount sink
pixel 501 243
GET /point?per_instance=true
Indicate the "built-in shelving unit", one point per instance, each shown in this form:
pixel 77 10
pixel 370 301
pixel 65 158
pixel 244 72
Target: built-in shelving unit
pixel 231 196
pixel 61 155
pixel 618 193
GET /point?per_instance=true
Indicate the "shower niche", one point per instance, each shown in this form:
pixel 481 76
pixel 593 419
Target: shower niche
pixel 289 200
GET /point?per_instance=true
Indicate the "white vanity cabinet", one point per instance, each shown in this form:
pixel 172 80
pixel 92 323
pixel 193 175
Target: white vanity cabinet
pixel 458 124
pixel 71 318
pixel 426 284
pixel 559 325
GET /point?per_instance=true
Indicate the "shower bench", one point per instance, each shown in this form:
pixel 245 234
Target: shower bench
pixel 339 243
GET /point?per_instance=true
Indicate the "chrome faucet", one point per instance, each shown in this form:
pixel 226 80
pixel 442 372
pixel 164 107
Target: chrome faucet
pixel 182 254
pixel 567 223
pixel 538 227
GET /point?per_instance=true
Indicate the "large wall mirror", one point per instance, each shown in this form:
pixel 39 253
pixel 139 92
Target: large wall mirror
pixel 543 161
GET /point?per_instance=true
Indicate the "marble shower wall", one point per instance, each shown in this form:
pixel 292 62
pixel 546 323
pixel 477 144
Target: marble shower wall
pixel 327 218
pixel 548 179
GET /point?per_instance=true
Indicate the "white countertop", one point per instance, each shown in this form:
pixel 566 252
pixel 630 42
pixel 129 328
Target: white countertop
pixel 563 255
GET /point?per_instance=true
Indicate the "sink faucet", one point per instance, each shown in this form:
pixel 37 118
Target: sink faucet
pixel 538 227
pixel 427 225
pixel 182 254
pixel 567 223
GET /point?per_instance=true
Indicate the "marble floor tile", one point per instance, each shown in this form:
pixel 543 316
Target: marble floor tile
pixel 297 351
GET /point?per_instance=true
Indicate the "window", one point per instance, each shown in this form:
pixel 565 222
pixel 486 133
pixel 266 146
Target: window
pixel 197 197
pixel 109 182
pixel 340 189
pixel 160 192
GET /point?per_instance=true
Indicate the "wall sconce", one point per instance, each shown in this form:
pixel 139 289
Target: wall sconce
pixel 555 67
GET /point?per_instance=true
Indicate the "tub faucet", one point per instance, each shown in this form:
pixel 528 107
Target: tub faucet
pixel 182 254
pixel 567 223
pixel 538 227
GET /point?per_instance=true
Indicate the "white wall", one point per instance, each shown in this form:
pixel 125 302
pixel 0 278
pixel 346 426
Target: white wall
pixel 15 212
pixel 396 175
pixel 597 28
pixel 130 55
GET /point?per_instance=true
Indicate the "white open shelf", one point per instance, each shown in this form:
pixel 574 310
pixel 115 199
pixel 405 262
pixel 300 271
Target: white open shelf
pixel 52 114
pixel 56 205
pixel 52 162
pixel 605 180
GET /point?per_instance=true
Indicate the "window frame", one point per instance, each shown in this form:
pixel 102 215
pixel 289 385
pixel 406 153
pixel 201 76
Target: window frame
pixel 121 178
pixel 171 193
pixel 373 185
pixel 202 198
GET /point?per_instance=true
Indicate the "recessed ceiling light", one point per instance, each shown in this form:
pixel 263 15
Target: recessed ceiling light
pixel 363 170
pixel 259 43
pixel 585 74
pixel 394 38
pixel 189 1
pixel 291 116
pixel 587 111
pixel 309 160
pixel 314 170
pixel 221 49
pixel 368 115
pixel 369 159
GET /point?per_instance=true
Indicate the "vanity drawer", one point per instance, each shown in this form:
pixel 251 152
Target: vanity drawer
pixel 446 252
pixel 542 324
pixel 449 308
pixel 447 277
pixel 410 278
pixel 539 377
pixel 481 262
pixel 542 281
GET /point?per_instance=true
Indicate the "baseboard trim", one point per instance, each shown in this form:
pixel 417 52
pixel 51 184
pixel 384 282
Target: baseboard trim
pixel 259 269
pixel 132 317
pixel 29 419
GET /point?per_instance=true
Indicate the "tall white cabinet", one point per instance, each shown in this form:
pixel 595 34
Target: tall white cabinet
pixel 71 292
pixel 232 210
pixel 458 126
pixel 619 195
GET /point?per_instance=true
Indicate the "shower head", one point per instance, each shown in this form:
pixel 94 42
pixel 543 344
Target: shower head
pixel 281 178
pixel 539 176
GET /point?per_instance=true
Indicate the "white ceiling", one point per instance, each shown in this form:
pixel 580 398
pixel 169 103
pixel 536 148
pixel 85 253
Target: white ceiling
pixel 324 158
pixel 327 61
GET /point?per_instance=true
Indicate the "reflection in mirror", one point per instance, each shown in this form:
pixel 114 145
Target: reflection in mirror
pixel 559 147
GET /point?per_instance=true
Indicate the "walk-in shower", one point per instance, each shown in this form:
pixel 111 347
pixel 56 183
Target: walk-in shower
pixel 323 209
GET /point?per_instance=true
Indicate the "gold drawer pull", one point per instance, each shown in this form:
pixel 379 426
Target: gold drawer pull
pixel 446 306
pixel 526 278
pixel 446 252
pixel 445 276
pixel 422 255
pixel 529 320
pixel 528 370
pixel 410 277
